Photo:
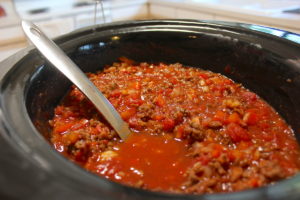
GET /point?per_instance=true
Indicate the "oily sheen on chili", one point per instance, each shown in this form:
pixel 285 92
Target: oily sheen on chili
pixel 193 131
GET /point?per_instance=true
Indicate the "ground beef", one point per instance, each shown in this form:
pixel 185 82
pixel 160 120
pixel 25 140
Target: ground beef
pixel 217 135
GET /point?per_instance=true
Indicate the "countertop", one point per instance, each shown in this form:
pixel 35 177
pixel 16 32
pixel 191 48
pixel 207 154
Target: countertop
pixel 264 13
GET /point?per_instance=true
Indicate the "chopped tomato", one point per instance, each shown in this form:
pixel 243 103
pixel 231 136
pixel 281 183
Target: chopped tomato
pixel 208 82
pixel 179 118
pixel 254 182
pixel 134 99
pixel 133 123
pixel 71 138
pixel 264 125
pixel 234 155
pixel 237 133
pixel 168 124
pixel 244 145
pixel 115 93
pixel 158 117
pixel 59 110
pixel 204 76
pixel 128 113
pixel 63 127
pixel 217 150
pixel 206 121
pixel 249 96
pixel 135 85
pixel 251 117
pixel 160 101
pixel 234 118
pixel 173 81
pixel 221 116
pixel 179 132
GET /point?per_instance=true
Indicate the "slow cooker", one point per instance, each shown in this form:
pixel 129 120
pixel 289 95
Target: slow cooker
pixel 30 89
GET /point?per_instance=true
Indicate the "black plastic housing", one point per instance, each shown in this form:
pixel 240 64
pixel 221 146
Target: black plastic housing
pixel 31 88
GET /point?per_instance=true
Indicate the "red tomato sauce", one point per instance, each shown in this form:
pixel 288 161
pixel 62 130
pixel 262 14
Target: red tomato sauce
pixel 193 131
pixel 149 160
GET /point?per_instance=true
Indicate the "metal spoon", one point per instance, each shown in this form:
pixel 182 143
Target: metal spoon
pixel 63 63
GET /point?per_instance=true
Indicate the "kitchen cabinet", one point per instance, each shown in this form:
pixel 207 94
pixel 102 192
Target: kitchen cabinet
pixel 205 10
pixel 189 14
pixel 79 13
pixel 54 21
pixel 129 12
pixel 160 11
pixel 88 19
pixel 56 27
pixel 253 21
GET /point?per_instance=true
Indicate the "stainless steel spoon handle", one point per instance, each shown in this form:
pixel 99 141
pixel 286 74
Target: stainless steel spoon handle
pixel 63 63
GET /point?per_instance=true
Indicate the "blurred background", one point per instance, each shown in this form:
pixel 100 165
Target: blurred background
pixel 57 17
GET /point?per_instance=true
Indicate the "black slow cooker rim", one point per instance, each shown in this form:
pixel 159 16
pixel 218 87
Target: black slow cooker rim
pixel 10 133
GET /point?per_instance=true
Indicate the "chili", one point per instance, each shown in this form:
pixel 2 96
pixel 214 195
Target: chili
pixel 193 131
